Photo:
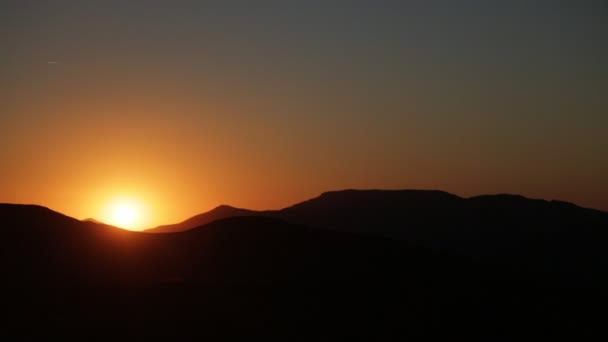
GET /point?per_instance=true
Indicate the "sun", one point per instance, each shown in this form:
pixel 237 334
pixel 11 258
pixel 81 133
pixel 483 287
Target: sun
pixel 125 215
pixel 125 212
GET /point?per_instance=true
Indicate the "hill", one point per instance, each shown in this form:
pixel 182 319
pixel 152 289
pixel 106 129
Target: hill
pixel 90 219
pixel 263 277
pixel 547 236
pixel 223 211
pixel 430 218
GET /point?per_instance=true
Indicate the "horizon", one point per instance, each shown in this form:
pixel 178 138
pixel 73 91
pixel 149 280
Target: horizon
pixel 144 113
pixel 141 229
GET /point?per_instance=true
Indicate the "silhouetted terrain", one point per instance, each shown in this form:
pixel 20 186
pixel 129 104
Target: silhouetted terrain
pixel 92 220
pixel 543 236
pixel 223 211
pixel 258 276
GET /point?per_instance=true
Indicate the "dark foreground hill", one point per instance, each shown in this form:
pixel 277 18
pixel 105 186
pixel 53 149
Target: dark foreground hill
pixel 436 219
pixel 221 212
pixel 552 237
pixel 261 277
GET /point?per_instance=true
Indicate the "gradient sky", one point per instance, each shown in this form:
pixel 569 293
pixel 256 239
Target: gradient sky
pixel 185 105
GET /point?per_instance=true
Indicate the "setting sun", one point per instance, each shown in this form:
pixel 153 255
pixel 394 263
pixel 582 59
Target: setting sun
pixel 125 213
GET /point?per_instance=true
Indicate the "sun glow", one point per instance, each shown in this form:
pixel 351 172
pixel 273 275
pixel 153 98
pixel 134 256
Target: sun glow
pixel 125 213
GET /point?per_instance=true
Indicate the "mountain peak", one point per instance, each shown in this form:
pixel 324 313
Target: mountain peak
pixel 224 207
pixel 372 196
pixel 363 192
pixel 29 210
pixel 217 213
pixel 32 215
pixel 23 207
pixel 90 219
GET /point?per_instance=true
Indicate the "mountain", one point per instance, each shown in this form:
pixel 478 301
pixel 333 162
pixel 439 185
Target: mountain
pixel 263 277
pixel 436 218
pixel 336 210
pixel 560 239
pixel 489 225
pixel 432 218
pixel 405 214
pixel 90 219
pixel 44 246
pixel 223 211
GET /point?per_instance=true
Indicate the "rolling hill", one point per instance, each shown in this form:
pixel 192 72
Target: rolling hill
pixel 264 276
pixel 540 235
pixel 223 211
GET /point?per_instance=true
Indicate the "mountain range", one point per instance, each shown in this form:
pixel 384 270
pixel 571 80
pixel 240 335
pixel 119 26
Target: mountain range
pixel 540 234
pixel 354 264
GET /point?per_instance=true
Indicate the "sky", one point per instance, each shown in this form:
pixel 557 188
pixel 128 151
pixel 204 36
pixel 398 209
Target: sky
pixel 181 106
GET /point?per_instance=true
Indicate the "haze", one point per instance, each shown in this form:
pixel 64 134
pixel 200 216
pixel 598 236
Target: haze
pixel 186 105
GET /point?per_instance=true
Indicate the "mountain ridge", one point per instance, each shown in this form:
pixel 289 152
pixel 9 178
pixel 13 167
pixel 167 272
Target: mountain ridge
pixel 493 268
pixel 415 194
pixel 219 212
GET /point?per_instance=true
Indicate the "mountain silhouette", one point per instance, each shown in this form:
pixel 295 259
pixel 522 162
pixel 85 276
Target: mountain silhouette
pixel 336 210
pixel 269 277
pixel 561 240
pixel 432 218
pixel 223 211
pixel 541 235
pixel 392 213
pixel 90 219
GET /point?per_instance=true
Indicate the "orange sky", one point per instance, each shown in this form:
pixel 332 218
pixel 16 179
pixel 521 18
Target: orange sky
pixel 90 151
pixel 188 107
